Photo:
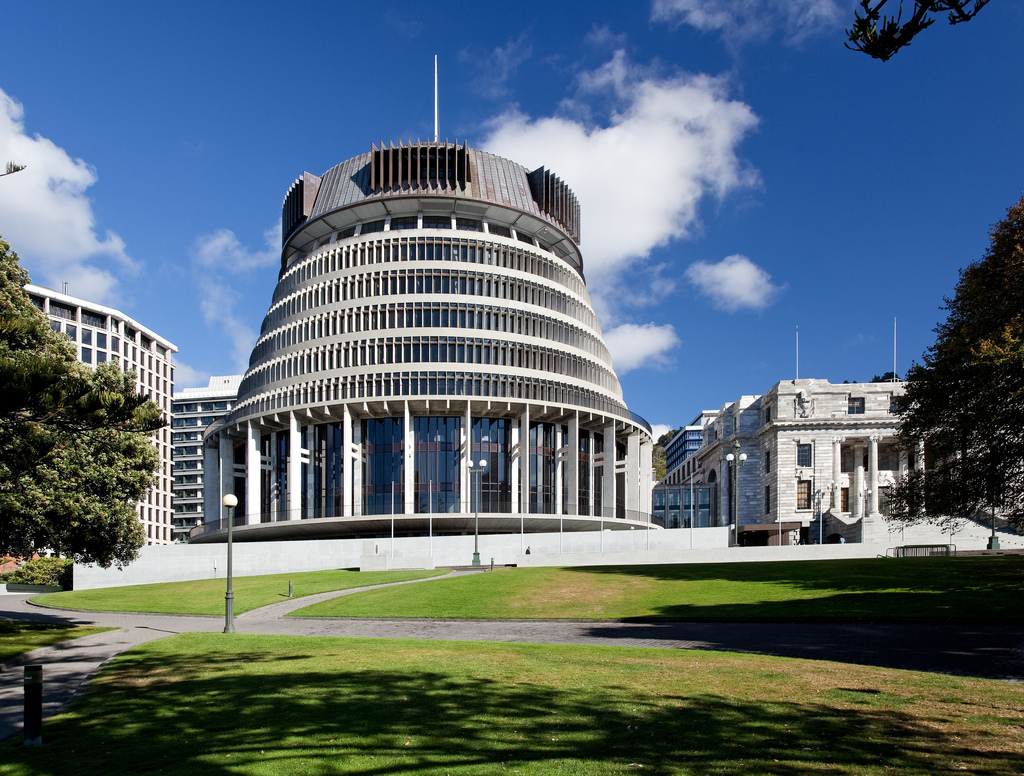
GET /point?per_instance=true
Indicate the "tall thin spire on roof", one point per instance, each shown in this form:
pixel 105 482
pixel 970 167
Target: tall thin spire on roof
pixel 435 99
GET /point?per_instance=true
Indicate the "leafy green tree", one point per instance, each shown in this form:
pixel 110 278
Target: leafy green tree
pixel 966 400
pixel 75 454
pixel 880 36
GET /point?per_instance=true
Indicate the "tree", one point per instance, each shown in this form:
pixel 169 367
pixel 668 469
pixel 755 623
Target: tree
pixel 881 42
pixel 75 457
pixel 966 400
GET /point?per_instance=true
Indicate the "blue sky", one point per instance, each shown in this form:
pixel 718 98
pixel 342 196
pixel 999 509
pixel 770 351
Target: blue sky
pixel 741 173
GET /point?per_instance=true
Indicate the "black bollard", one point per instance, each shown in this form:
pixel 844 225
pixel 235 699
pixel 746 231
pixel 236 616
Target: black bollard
pixel 290 588
pixel 33 705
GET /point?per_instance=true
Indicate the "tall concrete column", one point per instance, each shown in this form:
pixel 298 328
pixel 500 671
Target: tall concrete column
pixel 633 475
pixel 466 450
pixel 348 462
pixel 294 468
pixel 524 460
pixel 873 475
pixel 516 443
pixel 857 485
pixel 211 480
pixel 646 477
pixel 919 457
pixel 837 471
pixel 559 459
pixel 608 492
pixel 253 474
pixel 572 464
pixel 227 468
pixel 409 478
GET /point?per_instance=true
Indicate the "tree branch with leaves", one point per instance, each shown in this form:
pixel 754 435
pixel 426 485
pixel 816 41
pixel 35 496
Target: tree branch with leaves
pixel 880 36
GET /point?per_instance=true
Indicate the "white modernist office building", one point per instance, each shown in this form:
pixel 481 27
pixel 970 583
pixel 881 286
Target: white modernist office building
pixel 101 335
pixel 813 460
pixel 193 411
pixel 430 354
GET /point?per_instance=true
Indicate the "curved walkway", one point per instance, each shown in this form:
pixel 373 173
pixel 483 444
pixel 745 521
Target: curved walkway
pixel 993 651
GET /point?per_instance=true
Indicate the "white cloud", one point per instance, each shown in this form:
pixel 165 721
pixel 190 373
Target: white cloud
pixel 47 217
pixel 222 251
pixel 640 178
pixel 734 283
pixel 187 377
pixel 633 346
pixel 742 20
pixel 224 262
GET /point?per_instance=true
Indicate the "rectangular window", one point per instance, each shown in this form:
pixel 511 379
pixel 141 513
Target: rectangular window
pixel 803 455
pixel 767 461
pixel 803 494
pixel 87 355
pixel 767 499
pixel 855 405
pixel 844 505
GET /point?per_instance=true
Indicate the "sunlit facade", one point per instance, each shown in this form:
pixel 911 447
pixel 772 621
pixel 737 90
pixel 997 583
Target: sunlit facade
pixel 431 313
pixel 103 335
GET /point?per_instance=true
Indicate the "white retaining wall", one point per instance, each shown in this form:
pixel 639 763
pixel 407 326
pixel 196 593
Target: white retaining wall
pixel 180 562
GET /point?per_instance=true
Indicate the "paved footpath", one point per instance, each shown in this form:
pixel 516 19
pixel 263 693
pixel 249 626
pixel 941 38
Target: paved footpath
pixel 995 651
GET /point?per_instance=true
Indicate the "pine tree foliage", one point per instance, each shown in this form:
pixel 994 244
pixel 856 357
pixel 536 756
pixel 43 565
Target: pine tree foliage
pixel 966 400
pixel 880 36
pixel 75 455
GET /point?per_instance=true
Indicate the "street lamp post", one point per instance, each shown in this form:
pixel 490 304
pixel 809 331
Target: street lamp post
pixel 477 472
pixel 230 501
pixel 736 458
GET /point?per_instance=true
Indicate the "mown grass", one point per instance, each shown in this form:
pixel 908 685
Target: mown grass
pixel 214 704
pixel 206 596
pixel 17 638
pixel 973 588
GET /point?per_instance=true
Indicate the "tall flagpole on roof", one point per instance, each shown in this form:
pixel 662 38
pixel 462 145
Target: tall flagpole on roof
pixel 435 99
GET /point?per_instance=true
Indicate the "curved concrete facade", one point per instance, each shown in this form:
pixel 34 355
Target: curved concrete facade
pixel 431 313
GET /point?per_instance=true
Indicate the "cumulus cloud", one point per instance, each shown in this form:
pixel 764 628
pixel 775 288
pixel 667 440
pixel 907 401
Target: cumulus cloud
pixel 221 251
pixel 742 20
pixel 224 261
pixel 47 217
pixel 633 346
pixel 187 377
pixel 668 142
pixel 735 283
pixel 640 177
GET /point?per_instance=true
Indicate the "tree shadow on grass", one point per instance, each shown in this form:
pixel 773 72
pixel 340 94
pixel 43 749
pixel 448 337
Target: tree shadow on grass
pixel 214 713
pixel 968 589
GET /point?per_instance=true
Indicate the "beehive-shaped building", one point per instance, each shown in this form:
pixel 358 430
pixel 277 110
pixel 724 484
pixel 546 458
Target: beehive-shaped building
pixel 430 352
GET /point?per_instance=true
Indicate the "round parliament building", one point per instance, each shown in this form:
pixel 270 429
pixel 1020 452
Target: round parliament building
pixel 430 363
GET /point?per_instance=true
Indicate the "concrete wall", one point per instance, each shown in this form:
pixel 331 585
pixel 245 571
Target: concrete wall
pixel 176 563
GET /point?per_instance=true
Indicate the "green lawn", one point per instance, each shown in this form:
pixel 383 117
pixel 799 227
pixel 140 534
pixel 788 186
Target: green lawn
pixel 16 638
pixel 214 704
pixel 972 588
pixel 206 596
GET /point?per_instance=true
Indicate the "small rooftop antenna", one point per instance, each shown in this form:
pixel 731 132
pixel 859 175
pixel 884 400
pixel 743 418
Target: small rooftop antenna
pixel 435 99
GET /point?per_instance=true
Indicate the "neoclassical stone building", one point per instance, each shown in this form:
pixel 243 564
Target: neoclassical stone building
pixel 819 461
pixel 431 313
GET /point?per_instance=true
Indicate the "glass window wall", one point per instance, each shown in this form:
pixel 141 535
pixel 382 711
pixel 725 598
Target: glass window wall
pixel 383 466
pixel 437 477
pixel 491 441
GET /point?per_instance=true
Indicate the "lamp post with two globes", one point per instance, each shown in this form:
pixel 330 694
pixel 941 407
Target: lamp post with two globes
pixel 476 473
pixel 736 459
